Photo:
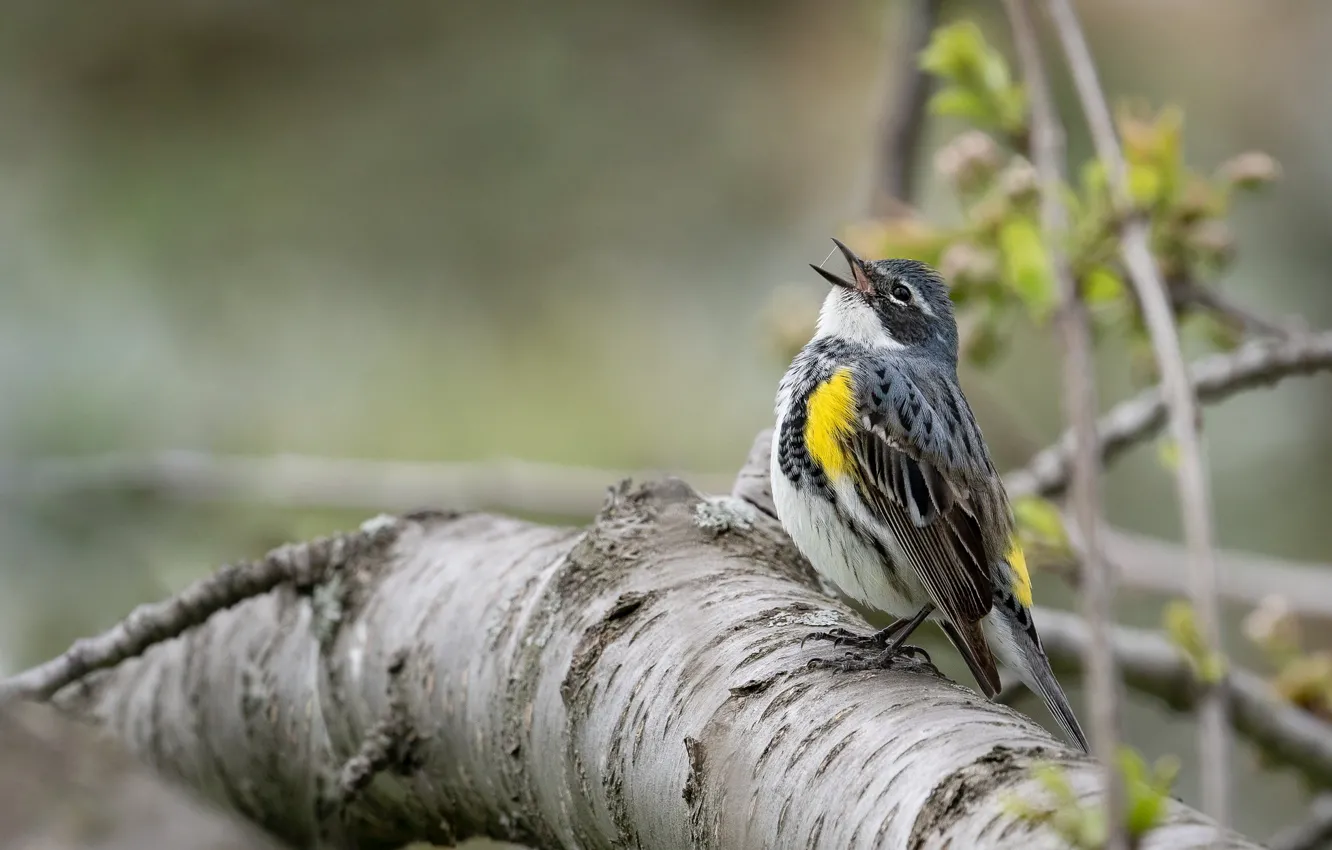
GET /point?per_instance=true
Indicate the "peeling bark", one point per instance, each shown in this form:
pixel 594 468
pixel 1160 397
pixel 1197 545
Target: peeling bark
pixel 639 683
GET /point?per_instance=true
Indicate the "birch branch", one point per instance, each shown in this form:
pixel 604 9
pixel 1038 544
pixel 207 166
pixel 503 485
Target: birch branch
pixel 1310 834
pixel 637 683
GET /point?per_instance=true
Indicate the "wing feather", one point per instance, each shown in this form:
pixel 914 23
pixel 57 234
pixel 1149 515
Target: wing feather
pixel 903 474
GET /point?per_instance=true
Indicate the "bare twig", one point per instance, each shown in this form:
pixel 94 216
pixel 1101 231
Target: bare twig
pixel 1214 378
pixel 904 115
pixel 1047 152
pixel 1153 666
pixel 304 565
pixel 1310 834
pixel 1223 307
pixel 1191 476
pixel 389 745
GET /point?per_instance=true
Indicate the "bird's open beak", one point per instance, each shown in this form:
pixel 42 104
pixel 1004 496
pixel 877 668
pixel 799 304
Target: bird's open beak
pixel 859 282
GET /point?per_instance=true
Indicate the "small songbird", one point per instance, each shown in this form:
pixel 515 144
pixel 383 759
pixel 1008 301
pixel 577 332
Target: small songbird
pixel 881 477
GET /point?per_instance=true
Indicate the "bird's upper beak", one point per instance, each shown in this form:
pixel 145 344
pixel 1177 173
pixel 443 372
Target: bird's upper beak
pixel 860 281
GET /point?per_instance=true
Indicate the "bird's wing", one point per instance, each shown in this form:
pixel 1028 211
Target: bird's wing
pixel 909 468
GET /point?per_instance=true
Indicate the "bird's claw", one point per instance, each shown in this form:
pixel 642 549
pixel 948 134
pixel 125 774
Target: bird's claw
pixel 904 657
pixel 844 637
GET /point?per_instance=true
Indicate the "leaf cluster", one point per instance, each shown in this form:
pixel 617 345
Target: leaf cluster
pixel 996 259
pixel 1083 825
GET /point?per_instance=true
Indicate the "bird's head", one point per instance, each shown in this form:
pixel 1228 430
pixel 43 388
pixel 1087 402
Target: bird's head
pixel 893 304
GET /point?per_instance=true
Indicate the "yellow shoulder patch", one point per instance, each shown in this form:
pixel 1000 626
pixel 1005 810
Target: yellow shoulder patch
pixel 831 419
pixel 1021 578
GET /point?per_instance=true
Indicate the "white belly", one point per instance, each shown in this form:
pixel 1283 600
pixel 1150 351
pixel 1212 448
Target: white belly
pixel 841 556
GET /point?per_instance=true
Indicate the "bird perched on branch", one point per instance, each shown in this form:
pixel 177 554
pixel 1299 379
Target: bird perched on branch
pixel 883 480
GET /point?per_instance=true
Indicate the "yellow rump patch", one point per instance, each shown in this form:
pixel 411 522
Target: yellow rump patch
pixel 832 418
pixel 1021 578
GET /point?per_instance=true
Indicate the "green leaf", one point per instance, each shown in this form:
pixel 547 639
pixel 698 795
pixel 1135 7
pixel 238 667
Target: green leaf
pixel 1181 626
pixel 1081 826
pixel 1167 454
pixel 1145 184
pixel 1147 790
pixel 1027 266
pixel 1012 103
pixel 1100 285
pixel 957 52
pixel 1040 523
pixel 962 103
pixel 977 82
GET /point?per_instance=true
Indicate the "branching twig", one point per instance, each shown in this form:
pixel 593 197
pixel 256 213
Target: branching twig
pixel 1191 477
pixel 1214 378
pixel 1312 833
pixel 303 565
pixel 1047 153
pixel 1152 665
pixel 904 116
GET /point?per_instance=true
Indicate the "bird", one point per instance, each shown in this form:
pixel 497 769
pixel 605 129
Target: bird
pixel 881 477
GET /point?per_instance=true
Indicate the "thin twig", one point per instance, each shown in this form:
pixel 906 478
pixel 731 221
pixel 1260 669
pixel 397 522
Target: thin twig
pixel 303 565
pixel 1152 665
pixel 904 115
pixel 1310 834
pixel 390 744
pixel 1047 153
pixel 1214 378
pixel 1241 318
pixel 1191 476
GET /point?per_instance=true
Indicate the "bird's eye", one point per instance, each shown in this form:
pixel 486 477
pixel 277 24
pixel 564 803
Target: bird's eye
pixel 900 292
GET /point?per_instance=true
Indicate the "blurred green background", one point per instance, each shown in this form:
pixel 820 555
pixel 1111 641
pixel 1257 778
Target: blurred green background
pixel 550 231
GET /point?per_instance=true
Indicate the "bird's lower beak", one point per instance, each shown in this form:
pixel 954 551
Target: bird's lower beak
pixel 859 279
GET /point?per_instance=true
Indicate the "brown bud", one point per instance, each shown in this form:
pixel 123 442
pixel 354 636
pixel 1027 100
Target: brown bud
pixel 968 161
pixel 1273 625
pixel 1018 181
pixel 963 262
pixel 1250 170
pixel 1214 239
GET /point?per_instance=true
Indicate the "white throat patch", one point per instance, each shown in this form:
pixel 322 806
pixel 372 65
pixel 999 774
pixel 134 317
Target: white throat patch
pixel 850 318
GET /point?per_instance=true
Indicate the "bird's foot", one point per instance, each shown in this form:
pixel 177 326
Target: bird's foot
pixel 899 658
pixel 843 637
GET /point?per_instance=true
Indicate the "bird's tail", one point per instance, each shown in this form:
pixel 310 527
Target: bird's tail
pixel 975 650
pixel 1012 633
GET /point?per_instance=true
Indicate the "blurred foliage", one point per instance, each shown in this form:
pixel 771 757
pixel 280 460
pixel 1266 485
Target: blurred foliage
pixel 976 81
pixel 1147 793
pixel 1182 628
pixel 1302 676
pixel 1041 532
pixel 995 258
pixel 441 231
